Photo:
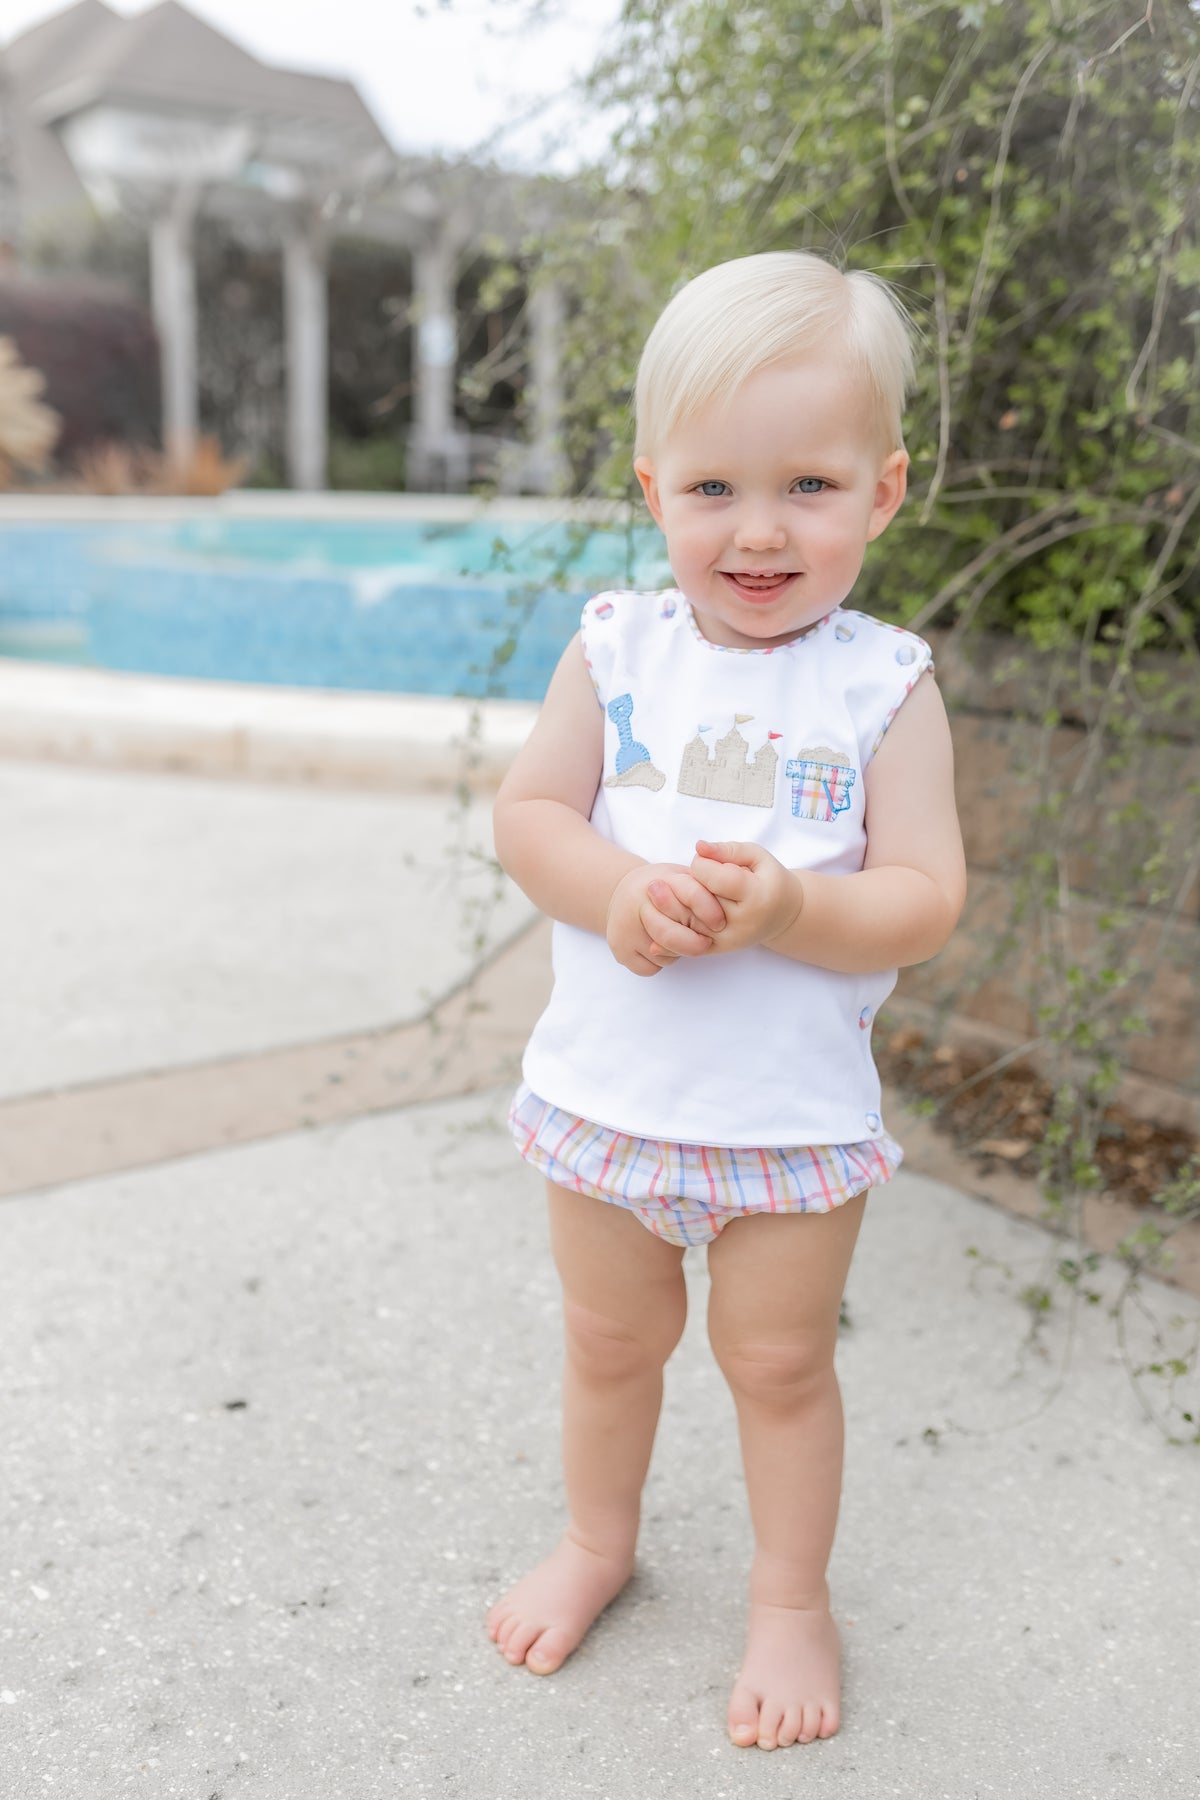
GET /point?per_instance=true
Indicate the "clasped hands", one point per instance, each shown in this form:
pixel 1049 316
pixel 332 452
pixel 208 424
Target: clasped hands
pixel 732 896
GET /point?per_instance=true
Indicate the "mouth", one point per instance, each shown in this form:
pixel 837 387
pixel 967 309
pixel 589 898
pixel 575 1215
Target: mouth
pixel 756 584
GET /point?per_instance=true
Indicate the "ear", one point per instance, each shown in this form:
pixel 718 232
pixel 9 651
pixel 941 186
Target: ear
pixel 643 468
pixel 890 489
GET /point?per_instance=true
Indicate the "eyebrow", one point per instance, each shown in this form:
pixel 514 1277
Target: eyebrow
pixel 828 468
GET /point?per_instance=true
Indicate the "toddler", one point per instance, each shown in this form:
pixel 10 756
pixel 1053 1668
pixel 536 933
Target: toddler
pixel 738 806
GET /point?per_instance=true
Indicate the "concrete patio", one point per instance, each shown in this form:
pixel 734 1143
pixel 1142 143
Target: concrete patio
pixel 279 1329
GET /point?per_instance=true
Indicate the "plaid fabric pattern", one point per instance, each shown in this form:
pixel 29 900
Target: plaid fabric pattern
pixel 820 790
pixel 687 1193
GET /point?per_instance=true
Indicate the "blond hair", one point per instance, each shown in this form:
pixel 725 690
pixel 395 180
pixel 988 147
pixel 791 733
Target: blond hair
pixel 741 316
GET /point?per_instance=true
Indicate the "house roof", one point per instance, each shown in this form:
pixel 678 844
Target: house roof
pixel 167 61
pixel 164 60
pixel 167 55
pixel 59 39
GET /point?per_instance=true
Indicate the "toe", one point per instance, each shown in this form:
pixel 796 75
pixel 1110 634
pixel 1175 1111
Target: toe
pixel 495 1622
pixel 789 1731
pixel 515 1644
pixel 770 1718
pixel 550 1652
pixel 830 1720
pixel 743 1717
pixel 810 1723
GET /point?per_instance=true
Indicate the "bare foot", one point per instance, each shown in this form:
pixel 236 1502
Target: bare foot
pixel 789 1690
pixel 547 1614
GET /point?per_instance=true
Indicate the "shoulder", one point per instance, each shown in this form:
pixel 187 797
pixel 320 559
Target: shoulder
pixel 876 666
pixel 879 644
pixel 621 623
pixel 624 609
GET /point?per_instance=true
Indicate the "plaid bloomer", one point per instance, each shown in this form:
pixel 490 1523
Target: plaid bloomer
pixel 687 1193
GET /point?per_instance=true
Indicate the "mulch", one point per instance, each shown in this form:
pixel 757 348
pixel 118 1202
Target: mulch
pixel 999 1119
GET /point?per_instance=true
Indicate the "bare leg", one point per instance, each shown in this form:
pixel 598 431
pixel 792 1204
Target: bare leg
pixel 777 1282
pixel 624 1305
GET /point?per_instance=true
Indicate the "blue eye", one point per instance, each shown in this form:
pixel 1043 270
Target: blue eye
pixel 811 484
pixel 712 490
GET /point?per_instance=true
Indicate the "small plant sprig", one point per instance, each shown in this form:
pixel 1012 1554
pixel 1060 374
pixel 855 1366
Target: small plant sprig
pixel 1172 1354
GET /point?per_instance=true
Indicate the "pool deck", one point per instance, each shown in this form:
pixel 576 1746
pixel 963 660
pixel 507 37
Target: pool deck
pixel 249 503
pixel 99 718
pixel 405 741
pixel 280 1325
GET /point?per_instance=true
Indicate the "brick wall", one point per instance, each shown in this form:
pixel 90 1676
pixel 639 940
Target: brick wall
pixel 1004 765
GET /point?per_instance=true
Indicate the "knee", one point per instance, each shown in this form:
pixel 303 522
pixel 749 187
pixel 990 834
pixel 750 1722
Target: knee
pixel 603 1349
pixel 782 1376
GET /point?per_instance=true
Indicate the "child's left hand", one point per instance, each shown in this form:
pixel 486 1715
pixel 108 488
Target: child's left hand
pixel 761 898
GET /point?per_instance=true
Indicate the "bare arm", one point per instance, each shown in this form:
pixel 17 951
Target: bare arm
pixel 903 905
pixel 545 841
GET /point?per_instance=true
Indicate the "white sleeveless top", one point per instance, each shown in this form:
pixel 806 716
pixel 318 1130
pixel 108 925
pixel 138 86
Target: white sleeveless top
pixel 704 741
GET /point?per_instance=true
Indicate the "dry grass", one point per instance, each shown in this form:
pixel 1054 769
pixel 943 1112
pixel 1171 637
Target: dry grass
pixel 28 429
pixel 126 469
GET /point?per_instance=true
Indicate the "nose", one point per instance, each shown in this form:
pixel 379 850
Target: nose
pixel 759 527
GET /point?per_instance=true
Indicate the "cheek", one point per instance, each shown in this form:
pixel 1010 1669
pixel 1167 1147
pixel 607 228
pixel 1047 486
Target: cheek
pixel 840 539
pixel 692 544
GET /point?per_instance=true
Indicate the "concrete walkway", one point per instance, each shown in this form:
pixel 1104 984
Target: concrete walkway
pixel 280 1415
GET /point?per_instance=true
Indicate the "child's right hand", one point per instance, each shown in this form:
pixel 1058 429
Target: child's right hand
pixel 658 913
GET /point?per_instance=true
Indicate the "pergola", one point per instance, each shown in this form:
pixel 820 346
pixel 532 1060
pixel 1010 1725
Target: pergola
pixel 160 117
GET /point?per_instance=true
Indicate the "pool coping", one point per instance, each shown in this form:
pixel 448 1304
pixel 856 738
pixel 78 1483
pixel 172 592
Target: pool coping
pixel 266 503
pixel 406 742
pixel 108 719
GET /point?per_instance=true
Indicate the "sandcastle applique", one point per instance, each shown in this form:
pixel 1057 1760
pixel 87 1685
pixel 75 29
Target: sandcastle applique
pixel 728 771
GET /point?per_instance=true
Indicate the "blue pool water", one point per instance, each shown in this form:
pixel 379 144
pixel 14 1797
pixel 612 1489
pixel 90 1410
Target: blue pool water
pixel 401 606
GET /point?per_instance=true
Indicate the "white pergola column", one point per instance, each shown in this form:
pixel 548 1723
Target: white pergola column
pixel 173 301
pixel 306 316
pixel 437 449
pixel 546 465
pixel 10 204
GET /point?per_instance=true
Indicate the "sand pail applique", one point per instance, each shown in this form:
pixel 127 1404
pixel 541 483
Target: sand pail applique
pixel 821 781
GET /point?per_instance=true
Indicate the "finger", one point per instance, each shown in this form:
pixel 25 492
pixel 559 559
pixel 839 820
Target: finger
pixel 668 902
pixel 701 908
pixel 728 881
pixel 745 854
pixel 669 935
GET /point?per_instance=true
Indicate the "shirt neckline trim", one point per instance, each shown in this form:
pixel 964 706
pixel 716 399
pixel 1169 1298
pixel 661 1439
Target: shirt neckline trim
pixel 813 631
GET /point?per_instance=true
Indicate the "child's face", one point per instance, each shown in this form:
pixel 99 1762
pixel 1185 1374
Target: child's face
pixel 768 504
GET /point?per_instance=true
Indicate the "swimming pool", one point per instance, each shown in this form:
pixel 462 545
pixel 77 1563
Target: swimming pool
pixel 335 596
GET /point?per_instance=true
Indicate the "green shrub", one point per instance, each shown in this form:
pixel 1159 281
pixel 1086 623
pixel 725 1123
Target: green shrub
pixel 367 465
pixel 1028 174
